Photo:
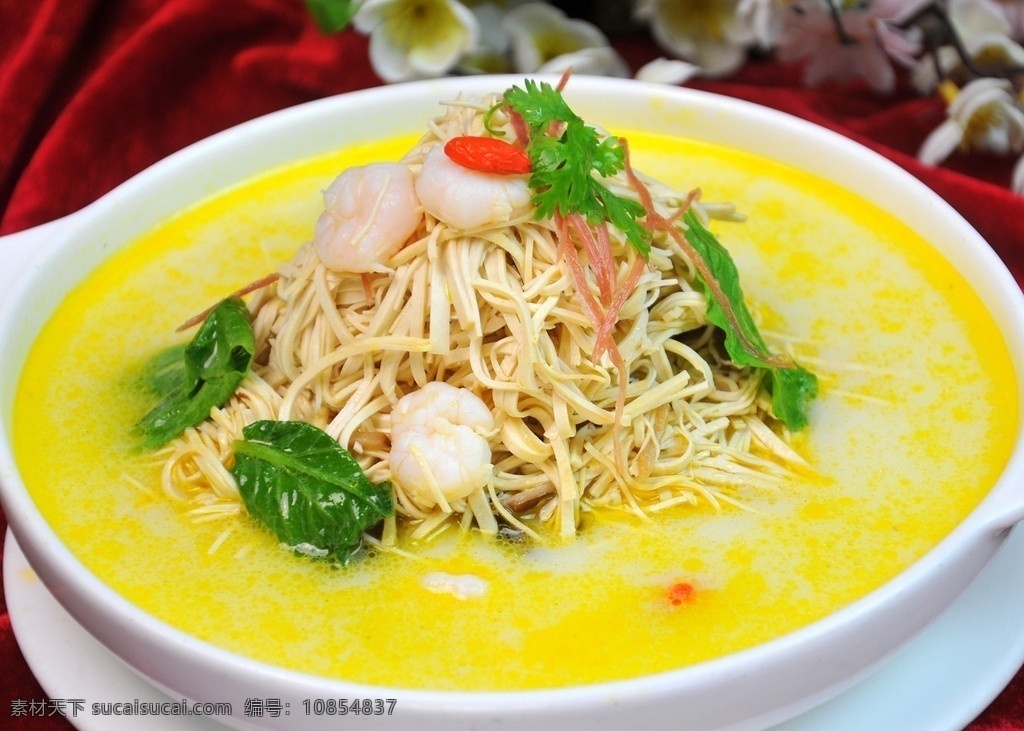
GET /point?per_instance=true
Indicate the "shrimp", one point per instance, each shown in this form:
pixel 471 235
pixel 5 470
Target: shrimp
pixel 439 447
pixel 369 213
pixel 465 199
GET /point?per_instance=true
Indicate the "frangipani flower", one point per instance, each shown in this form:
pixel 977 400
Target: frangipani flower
pixel 982 116
pixel 544 39
pixel 416 39
pixel 706 32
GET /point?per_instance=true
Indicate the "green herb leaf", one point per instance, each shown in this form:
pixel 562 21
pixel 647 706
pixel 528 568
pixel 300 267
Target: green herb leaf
pixel 540 104
pixel 211 367
pixel 331 16
pixel 792 387
pixel 307 489
pixel 165 371
pixel 564 166
pixel 624 213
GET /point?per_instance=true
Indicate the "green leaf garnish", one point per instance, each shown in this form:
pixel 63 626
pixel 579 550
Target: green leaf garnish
pixel 212 366
pixel 331 16
pixel 565 165
pixel 165 371
pixel 307 489
pixel 791 387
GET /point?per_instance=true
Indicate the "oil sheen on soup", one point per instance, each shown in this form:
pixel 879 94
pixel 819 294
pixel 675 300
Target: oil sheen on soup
pixel 913 425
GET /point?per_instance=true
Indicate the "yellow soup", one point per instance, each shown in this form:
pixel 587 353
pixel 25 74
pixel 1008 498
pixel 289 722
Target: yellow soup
pixel 914 423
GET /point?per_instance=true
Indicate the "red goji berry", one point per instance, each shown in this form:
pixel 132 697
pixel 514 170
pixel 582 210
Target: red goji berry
pixel 488 155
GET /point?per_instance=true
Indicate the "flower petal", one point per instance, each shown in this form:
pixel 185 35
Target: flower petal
pixel 719 59
pixel 370 14
pixel 667 71
pixel 759 21
pixel 977 16
pixel 940 143
pixel 1018 177
pixel 604 61
pixel 389 61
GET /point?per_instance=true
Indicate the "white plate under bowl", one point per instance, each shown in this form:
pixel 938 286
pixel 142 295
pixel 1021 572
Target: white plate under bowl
pixel 939 682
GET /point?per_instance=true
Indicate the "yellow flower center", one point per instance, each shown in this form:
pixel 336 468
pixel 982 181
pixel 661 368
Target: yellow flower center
pixel 551 44
pixel 984 119
pixel 409 24
pixel 993 58
pixel 701 17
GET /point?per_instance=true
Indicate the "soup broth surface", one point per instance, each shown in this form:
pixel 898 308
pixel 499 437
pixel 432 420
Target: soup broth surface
pixel 915 420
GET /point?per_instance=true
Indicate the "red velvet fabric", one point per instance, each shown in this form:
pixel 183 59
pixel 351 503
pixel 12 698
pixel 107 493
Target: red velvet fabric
pixel 93 91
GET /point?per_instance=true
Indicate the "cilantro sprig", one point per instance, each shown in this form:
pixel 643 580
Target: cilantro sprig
pixel 567 154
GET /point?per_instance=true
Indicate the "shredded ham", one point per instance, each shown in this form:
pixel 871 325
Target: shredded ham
pixel 599 253
pixel 611 317
pixel 522 133
pixel 571 257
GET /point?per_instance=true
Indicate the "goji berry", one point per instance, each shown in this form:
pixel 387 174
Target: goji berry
pixel 488 155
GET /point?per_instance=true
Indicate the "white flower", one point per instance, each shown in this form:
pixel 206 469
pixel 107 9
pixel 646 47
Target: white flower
pixel 416 39
pixel 544 39
pixel 706 32
pixel 984 34
pixel 667 71
pixel 983 116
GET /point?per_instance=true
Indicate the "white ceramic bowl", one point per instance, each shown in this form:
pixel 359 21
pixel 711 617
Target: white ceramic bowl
pixel 747 690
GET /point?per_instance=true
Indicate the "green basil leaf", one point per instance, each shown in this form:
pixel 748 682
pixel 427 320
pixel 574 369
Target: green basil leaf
pixel 222 347
pixel 165 371
pixel 792 387
pixel 307 489
pixel 212 366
